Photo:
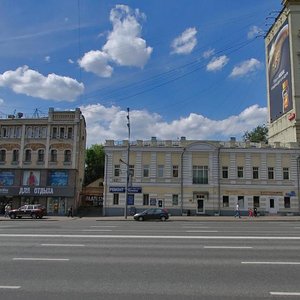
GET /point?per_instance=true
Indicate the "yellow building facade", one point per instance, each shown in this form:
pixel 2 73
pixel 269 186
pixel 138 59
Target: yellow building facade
pixel 201 177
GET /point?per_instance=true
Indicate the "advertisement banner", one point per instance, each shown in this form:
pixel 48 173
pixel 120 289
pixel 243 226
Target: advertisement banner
pixel 279 73
pixel 58 178
pixel 31 178
pixel 6 178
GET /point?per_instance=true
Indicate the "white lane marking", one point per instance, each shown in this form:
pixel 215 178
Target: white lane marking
pixel 284 294
pixel 192 237
pixel 202 231
pixel 103 226
pixel 97 230
pixel 12 287
pixel 227 247
pixel 198 227
pixel 39 259
pixel 63 245
pixel 271 262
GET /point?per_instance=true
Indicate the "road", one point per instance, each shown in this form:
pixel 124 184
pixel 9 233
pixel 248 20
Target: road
pixel 90 259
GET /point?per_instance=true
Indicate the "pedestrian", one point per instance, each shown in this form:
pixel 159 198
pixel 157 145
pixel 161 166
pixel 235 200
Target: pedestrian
pixel 250 212
pixel 237 211
pixel 255 212
pixel 7 210
pixel 70 212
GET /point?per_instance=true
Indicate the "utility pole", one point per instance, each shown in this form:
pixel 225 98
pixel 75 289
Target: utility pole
pixel 127 164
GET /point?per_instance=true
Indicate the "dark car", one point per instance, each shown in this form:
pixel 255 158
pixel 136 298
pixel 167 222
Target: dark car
pixel 152 214
pixel 32 210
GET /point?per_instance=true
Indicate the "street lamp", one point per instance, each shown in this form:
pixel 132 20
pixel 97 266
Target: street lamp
pixel 127 164
pixel 298 181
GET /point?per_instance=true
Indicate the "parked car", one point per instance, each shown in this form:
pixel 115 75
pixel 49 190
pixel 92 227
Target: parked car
pixel 32 210
pixel 152 214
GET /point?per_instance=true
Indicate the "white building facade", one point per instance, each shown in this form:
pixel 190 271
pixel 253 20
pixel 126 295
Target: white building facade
pixel 201 177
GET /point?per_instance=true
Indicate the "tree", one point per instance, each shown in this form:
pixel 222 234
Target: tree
pixel 94 163
pixel 258 134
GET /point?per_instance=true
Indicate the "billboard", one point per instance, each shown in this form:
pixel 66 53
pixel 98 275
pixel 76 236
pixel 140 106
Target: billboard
pixel 6 178
pixel 58 178
pixel 31 178
pixel 279 73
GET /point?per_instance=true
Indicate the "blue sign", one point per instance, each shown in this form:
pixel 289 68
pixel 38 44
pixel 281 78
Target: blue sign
pixel 130 200
pixel 122 189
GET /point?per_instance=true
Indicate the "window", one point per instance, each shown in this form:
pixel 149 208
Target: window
pixel 225 172
pixel 61 132
pixel 27 155
pixel 240 172
pixel 18 132
pixel 116 199
pixel 255 173
pixel 4 132
pixel 272 203
pixel 54 132
pixel 225 201
pixel 256 201
pixel 53 155
pixel 44 132
pixel 15 157
pixel 29 132
pixel 270 173
pixel 130 199
pixel 175 171
pixel 117 171
pixel 286 174
pixel 287 202
pixel 200 174
pixel 145 199
pixel 2 155
pixel 175 200
pixel 160 171
pixel 146 171
pixel 70 132
pixel 67 156
pixel 41 155
pixel 131 170
pixel 36 132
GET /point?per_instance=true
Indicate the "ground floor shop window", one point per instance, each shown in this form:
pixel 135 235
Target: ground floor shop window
pixel 56 206
pixel 116 199
pixel 256 201
pixel 241 202
pixel 175 200
pixel 145 199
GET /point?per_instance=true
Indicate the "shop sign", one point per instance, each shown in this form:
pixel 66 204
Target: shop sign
pixel 3 191
pixel 36 191
pixel 271 193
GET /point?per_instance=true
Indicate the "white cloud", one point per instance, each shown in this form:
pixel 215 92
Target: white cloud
pixel 254 31
pixel 70 61
pixel 96 62
pixel 1 101
pixel 47 59
pixel 109 123
pixel 185 43
pixel 246 67
pixel 124 45
pixel 208 53
pixel 217 63
pixel 31 83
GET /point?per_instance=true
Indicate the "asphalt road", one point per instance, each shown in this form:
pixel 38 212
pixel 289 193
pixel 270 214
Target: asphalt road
pixel 90 259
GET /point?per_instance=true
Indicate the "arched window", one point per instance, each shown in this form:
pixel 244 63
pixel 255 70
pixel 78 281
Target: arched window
pixel 28 155
pixel 2 155
pixel 67 156
pixel 53 155
pixel 41 155
pixel 15 157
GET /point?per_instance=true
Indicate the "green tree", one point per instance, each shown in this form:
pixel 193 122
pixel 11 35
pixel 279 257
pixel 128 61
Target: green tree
pixel 94 163
pixel 258 134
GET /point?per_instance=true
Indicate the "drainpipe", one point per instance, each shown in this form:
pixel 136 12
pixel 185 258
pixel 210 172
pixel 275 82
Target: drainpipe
pixel 181 179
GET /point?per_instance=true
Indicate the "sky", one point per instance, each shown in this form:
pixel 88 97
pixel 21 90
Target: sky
pixel 192 68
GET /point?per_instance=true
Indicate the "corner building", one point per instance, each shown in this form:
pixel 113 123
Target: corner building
pixel 202 177
pixel 42 160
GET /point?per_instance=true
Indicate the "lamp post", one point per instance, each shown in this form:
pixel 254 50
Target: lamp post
pixel 298 182
pixel 181 180
pixel 127 164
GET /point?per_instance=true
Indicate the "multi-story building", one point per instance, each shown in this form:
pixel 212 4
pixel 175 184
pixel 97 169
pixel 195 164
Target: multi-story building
pixel 202 177
pixel 42 159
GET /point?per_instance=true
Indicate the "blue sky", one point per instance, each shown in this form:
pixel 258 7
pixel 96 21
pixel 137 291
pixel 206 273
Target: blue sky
pixel 184 68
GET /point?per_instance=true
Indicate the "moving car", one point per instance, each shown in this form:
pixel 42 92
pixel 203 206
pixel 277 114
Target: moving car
pixel 152 214
pixel 32 210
